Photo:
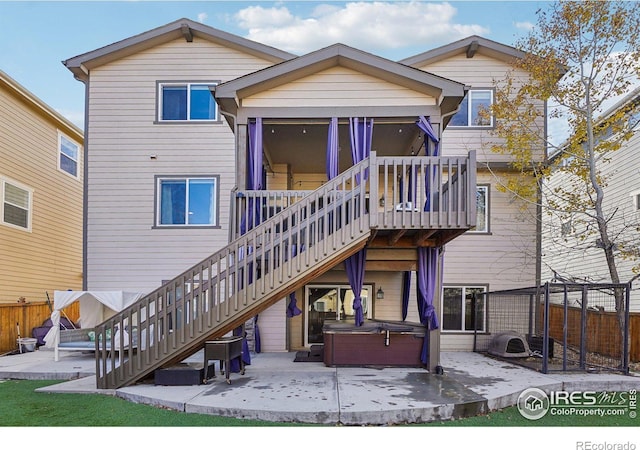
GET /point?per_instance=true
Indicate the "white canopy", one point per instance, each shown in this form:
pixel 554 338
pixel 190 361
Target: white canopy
pixel 95 307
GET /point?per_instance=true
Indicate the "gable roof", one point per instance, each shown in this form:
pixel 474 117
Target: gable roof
pixel 469 45
pixel 449 93
pixel 16 89
pixel 81 65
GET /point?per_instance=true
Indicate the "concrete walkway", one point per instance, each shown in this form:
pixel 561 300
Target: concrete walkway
pixel 274 388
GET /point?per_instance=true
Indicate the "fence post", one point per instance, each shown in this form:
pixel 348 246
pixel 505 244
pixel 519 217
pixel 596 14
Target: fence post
pixel 583 328
pixel 545 337
pixel 625 344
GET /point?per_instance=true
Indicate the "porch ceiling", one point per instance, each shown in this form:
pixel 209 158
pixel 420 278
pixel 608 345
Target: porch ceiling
pixel 303 144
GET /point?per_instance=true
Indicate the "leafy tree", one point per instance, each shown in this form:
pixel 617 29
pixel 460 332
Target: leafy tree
pixel 579 56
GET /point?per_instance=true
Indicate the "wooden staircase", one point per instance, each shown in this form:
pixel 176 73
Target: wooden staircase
pixel 285 240
pixel 251 273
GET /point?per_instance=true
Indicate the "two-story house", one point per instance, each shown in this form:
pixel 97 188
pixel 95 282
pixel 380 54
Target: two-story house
pixel 41 197
pixel 236 182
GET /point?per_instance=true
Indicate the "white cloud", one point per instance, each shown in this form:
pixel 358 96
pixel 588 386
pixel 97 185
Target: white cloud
pixel 527 26
pixel 202 17
pixel 76 117
pixel 371 26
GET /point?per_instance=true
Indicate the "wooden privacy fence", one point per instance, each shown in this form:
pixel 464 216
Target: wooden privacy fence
pixel 604 331
pixel 28 316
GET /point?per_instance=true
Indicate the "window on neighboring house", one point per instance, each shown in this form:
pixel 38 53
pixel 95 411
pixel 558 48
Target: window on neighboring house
pixel 186 102
pixel 69 155
pixel 469 114
pixel 636 200
pixel 458 310
pixel 187 201
pixel 16 205
pixel 482 210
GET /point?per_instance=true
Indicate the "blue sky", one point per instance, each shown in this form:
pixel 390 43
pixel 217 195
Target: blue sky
pixel 35 37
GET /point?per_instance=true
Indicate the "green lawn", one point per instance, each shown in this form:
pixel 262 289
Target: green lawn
pixel 21 406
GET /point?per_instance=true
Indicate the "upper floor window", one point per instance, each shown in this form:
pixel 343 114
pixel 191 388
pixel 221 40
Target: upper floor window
pixel 469 114
pixel 187 201
pixel 16 204
pixel 186 102
pixel 68 155
pixel 482 210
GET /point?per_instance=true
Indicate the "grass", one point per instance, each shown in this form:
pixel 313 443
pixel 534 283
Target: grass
pixel 21 406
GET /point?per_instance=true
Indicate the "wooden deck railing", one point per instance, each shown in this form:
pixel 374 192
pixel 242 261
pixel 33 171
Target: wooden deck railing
pixel 406 192
pixel 255 270
pixel 281 241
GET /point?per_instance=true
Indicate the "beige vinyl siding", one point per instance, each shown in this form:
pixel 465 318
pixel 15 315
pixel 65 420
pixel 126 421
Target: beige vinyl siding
pixel 479 72
pixel 336 87
pixel 273 328
pixel 124 250
pixel 49 257
pixel 505 258
pixel 568 257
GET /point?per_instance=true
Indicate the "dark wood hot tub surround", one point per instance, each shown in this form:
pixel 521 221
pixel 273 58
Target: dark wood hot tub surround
pixel 375 343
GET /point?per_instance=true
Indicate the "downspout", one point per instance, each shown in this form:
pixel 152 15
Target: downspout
pixel 85 185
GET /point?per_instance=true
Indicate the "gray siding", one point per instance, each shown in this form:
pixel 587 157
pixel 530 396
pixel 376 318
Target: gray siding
pixel 568 256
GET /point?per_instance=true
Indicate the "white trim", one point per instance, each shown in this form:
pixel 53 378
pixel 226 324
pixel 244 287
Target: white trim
pixel 3 182
pixel 186 179
pixel 187 85
pixel 470 109
pixel 59 155
pixel 463 305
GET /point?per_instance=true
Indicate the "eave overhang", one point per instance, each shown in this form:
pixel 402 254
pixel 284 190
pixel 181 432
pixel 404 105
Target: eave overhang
pixel 183 28
pixel 447 92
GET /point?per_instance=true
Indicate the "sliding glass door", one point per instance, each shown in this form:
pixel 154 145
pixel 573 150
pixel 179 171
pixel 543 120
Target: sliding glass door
pixel 331 302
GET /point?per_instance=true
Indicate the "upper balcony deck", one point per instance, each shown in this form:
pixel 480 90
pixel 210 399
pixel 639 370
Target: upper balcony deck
pixel 410 201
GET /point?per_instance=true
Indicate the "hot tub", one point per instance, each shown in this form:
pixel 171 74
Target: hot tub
pixel 375 343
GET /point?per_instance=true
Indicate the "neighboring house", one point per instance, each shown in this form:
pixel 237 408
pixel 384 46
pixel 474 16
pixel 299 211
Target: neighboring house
pixel 566 255
pixel 196 137
pixel 41 195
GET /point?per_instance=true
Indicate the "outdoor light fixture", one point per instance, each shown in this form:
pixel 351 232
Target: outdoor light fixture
pixel 380 294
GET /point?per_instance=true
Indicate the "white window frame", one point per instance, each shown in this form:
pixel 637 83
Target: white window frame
pixel 470 95
pixel 187 85
pixel 635 198
pixel 464 289
pixel 187 178
pixel 3 182
pixel 61 136
pixel 486 188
